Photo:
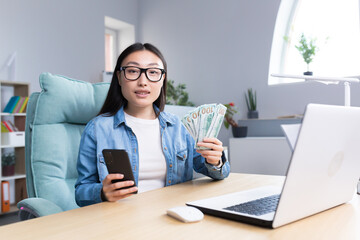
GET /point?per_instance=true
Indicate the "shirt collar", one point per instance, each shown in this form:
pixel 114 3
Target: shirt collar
pixel 164 118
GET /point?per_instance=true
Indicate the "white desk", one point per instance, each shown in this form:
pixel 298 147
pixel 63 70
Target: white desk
pixel 259 155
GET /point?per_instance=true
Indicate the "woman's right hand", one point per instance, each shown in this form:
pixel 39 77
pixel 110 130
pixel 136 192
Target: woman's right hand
pixel 116 191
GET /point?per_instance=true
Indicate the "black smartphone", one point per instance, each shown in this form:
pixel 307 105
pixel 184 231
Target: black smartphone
pixel 117 161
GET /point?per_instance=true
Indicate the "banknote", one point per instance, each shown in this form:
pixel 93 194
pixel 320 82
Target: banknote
pixel 204 121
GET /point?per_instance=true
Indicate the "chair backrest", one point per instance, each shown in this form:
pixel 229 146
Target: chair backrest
pixel 55 121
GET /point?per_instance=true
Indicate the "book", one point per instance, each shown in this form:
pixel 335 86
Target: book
pixel 15 103
pixel 4 128
pixel 19 105
pixel 5 196
pixel 12 126
pixel 10 104
pixel 23 107
pixel 7 126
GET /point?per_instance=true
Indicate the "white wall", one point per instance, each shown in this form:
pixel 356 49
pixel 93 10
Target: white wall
pixel 64 37
pixel 221 48
pixel 218 48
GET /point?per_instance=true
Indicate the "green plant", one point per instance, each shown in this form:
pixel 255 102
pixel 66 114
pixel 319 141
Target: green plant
pixel 8 159
pixel 307 49
pixel 177 95
pixel 230 111
pixel 250 98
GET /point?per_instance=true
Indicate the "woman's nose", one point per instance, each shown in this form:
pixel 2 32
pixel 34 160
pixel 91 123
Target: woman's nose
pixel 142 79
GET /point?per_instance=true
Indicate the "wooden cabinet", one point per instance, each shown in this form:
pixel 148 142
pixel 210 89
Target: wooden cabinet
pixel 17 181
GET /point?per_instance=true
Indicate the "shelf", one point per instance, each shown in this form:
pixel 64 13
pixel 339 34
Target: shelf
pixel 13 208
pixel 17 181
pixel 13 114
pixel 13 83
pixel 11 146
pixel 16 176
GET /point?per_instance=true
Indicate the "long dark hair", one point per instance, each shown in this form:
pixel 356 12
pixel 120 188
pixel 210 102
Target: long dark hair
pixel 114 99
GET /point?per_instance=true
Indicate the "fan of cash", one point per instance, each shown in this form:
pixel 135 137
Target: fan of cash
pixel 204 121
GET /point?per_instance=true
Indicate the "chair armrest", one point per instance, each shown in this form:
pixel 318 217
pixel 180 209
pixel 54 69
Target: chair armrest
pixel 36 207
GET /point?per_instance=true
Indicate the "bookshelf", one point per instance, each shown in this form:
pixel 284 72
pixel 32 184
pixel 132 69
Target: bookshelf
pixel 18 180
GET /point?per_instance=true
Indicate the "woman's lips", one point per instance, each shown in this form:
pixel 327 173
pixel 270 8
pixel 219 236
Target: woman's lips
pixel 142 93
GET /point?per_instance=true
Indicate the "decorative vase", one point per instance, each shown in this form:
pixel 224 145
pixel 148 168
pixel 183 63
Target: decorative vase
pixel 8 170
pixel 253 114
pixel 239 132
pixel 308 73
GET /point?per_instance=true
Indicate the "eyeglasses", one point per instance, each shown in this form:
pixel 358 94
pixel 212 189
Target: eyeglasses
pixel 133 73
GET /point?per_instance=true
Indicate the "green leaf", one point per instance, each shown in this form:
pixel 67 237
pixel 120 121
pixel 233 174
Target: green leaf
pixel 177 95
pixel 226 124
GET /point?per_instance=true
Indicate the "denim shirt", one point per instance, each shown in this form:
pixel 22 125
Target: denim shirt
pixel 104 132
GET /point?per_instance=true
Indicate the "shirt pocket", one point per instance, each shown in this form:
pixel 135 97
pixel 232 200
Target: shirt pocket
pixel 182 155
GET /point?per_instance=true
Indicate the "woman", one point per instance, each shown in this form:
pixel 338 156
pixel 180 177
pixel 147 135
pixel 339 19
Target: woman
pixel 160 149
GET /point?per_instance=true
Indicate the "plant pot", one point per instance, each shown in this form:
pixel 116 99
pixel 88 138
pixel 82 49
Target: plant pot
pixel 8 170
pixel 253 114
pixel 239 132
pixel 308 73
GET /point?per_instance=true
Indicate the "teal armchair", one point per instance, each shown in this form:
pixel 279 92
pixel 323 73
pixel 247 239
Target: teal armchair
pixel 55 121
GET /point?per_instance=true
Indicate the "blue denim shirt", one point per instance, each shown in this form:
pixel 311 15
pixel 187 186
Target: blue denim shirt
pixel 112 133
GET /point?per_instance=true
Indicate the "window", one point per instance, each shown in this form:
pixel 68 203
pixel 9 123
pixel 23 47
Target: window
pixel 335 27
pixel 118 36
pixel 111 49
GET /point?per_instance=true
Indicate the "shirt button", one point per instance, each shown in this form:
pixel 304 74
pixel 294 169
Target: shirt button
pixel 184 156
pixel 170 165
pixel 165 148
pixel 169 181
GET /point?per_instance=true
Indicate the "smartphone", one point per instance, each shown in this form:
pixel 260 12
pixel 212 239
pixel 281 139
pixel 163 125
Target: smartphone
pixel 117 161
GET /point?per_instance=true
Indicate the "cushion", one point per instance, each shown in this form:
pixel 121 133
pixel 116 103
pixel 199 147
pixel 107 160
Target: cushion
pixel 62 110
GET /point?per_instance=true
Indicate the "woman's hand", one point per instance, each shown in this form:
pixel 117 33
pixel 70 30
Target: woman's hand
pixel 116 191
pixel 212 155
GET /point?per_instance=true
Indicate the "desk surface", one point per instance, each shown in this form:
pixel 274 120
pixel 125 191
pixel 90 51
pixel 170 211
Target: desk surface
pixel 143 216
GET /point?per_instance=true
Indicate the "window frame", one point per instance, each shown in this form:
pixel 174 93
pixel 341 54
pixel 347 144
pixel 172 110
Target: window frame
pixel 280 47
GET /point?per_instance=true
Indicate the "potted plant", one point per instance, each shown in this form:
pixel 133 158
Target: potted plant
pixel 177 95
pixel 8 164
pixel 251 102
pixel 307 49
pixel 237 131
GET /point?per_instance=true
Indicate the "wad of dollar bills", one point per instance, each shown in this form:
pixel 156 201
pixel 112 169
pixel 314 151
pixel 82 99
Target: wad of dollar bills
pixel 204 122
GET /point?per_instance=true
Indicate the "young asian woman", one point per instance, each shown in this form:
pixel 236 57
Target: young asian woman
pixel 161 151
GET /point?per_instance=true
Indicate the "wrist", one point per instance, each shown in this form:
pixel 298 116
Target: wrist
pixel 220 164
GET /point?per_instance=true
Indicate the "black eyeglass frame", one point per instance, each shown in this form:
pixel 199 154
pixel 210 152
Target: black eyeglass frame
pixel 142 70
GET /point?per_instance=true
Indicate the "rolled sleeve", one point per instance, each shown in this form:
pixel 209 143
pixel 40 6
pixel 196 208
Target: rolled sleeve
pixel 87 187
pixel 209 170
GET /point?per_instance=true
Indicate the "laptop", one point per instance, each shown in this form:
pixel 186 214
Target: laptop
pixel 323 173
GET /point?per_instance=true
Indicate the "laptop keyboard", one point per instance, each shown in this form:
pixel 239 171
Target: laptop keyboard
pixel 257 207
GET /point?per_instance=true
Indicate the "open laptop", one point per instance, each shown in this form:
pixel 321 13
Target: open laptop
pixel 323 173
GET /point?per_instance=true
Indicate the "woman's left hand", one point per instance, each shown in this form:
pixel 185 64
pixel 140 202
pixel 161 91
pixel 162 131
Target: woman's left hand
pixel 212 155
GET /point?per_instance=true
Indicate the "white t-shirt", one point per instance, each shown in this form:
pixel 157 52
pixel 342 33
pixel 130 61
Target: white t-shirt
pixel 152 163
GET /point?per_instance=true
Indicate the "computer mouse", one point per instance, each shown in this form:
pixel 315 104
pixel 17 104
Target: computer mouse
pixel 185 214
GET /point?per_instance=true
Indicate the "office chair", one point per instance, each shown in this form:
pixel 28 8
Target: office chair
pixel 55 120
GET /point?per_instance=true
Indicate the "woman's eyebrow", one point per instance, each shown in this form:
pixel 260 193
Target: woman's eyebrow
pixel 134 63
pixel 153 64
pixel 137 64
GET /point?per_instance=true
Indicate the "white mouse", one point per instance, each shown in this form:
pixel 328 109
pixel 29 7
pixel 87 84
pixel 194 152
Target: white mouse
pixel 185 214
